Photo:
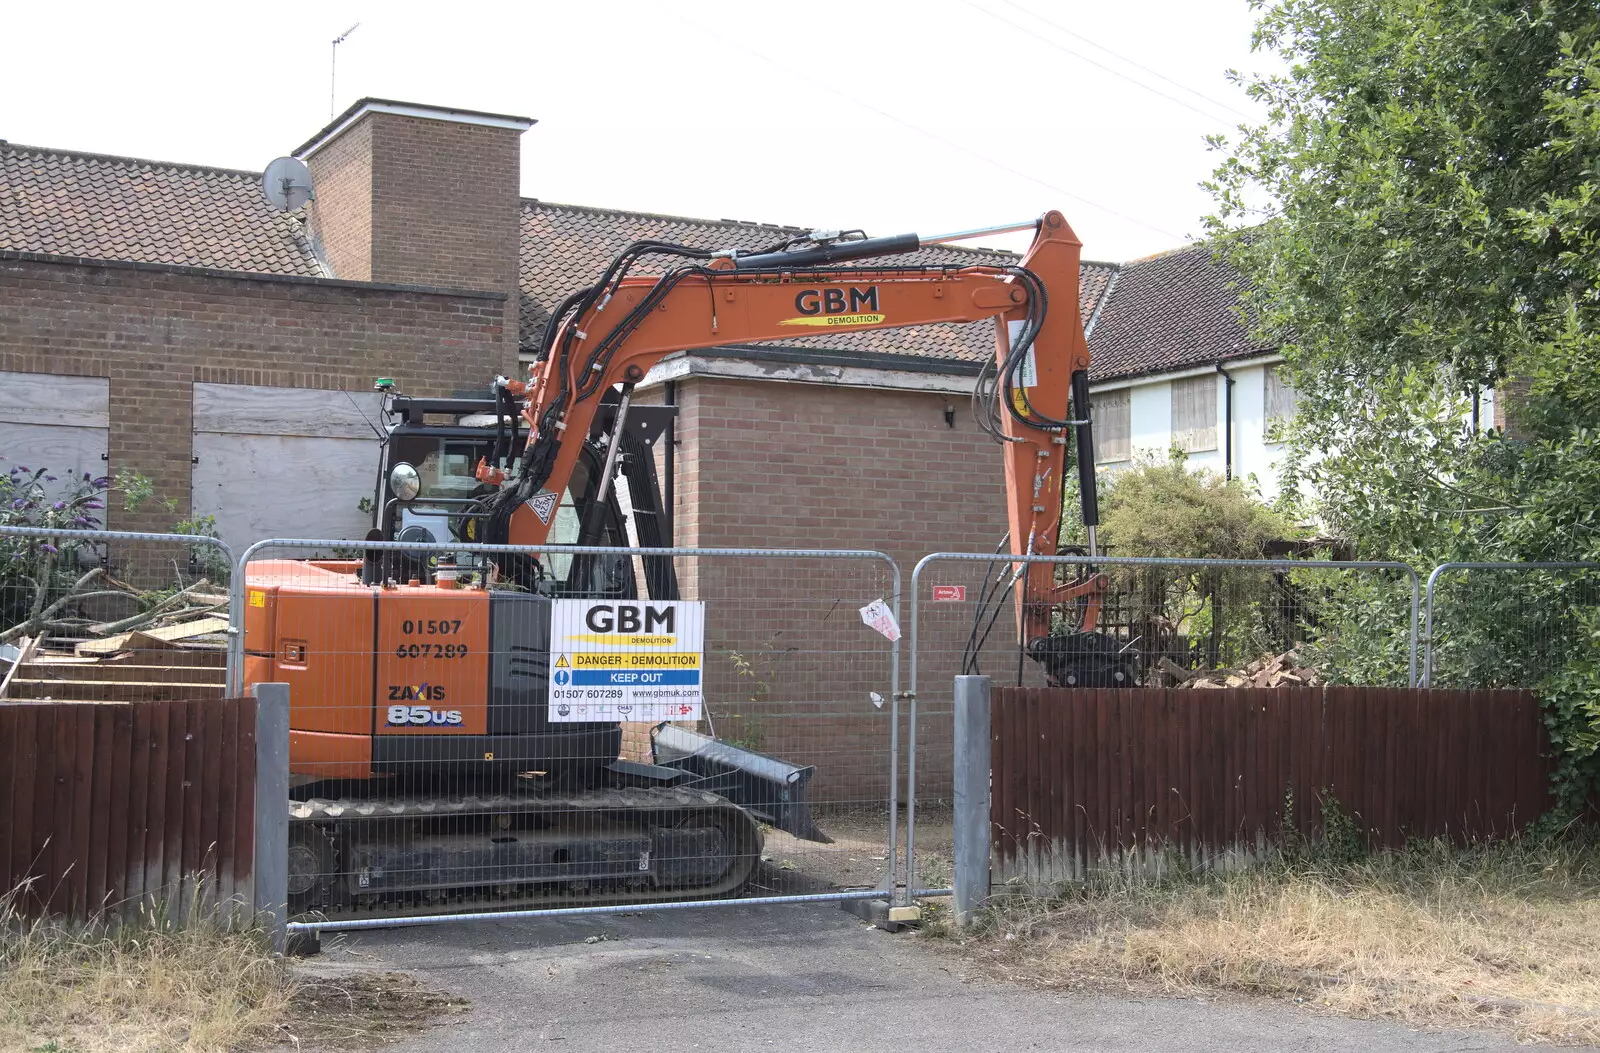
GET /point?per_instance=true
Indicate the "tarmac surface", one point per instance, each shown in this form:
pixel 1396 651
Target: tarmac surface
pixel 795 978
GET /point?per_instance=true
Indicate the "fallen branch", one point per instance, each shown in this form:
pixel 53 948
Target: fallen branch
pixel 145 617
pixel 39 620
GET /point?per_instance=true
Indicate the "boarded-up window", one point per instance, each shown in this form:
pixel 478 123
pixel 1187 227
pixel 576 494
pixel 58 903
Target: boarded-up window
pixel 1279 399
pixel 1113 432
pixel 1194 414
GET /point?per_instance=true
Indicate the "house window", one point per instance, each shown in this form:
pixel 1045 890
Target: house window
pixel 1279 400
pixel 1194 414
pixel 1113 434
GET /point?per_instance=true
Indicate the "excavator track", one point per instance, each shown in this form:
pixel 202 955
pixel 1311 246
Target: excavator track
pixel 363 857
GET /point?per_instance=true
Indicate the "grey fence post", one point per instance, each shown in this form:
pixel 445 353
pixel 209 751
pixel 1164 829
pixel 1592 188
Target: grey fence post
pixel 272 811
pixel 972 831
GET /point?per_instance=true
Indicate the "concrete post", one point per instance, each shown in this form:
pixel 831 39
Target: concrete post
pixel 272 811
pixel 973 836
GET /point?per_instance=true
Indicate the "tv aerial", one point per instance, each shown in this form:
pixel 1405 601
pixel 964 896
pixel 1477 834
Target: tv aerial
pixel 287 184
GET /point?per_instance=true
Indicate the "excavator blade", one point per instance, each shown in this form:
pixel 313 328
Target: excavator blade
pixel 774 791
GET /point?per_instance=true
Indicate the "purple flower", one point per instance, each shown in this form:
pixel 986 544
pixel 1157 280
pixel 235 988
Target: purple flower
pixel 103 482
pixel 49 478
pixel 19 503
pixel 94 504
pixel 49 548
pixel 22 467
pixel 59 506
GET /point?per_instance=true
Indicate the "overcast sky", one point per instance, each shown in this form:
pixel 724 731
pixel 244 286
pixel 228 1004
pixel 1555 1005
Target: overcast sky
pixel 890 115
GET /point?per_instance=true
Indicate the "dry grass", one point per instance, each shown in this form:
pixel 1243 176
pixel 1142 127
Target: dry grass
pixel 153 986
pixel 87 989
pixel 1505 935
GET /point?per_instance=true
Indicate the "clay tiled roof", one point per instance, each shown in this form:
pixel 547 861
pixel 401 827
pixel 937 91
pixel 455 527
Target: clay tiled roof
pixel 1168 312
pixel 565 247
pixel 122 208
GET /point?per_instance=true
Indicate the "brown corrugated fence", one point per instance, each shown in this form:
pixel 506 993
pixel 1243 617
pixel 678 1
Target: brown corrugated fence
pixel 107 807
pixel 1079 773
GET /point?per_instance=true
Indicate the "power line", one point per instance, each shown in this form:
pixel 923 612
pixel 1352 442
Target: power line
pixel 1123 58
pixel 963 148
pixel 1098 65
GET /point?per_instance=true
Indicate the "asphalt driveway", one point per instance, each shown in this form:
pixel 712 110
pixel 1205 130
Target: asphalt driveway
pixel 795 978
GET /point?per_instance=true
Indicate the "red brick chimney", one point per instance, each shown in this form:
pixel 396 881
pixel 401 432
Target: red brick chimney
pixel 420 195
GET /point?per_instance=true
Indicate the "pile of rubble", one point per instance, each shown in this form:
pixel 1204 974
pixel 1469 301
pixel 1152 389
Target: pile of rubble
pixel 1279 670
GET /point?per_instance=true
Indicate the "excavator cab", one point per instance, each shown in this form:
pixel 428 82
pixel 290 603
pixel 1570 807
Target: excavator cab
pixel 426 492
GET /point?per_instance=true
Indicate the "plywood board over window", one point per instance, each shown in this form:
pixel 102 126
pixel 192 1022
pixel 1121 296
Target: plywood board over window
pixel 57 423
pixel 1113 431
pixel 284 462
pixel 1194 413
pixel 1279 399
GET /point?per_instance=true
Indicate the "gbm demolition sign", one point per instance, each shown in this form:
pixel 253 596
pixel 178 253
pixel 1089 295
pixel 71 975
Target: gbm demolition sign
pixel 626 660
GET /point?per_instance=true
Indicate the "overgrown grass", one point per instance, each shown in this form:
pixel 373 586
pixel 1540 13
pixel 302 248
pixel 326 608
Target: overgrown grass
pixel 1504 934
pixel 141 987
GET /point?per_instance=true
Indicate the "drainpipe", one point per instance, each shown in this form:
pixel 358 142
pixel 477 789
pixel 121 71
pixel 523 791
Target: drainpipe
pixel 669 487
pixel 1227 425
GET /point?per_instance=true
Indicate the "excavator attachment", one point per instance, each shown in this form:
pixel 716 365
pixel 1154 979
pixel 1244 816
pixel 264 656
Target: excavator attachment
pixel 774 791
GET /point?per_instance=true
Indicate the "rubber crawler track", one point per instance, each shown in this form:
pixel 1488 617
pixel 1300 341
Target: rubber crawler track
pixel 646 806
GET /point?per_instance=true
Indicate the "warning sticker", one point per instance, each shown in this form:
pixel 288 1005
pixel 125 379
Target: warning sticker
pixel 258 598
pixel 1027 374
pixel 626 661
pixel 543 504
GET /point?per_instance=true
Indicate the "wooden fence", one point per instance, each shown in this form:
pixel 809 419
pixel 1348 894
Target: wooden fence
pixel 113 808
pixel 1079 774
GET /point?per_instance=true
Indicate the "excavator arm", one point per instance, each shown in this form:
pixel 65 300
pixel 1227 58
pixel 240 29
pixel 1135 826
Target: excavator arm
pixel 1032 396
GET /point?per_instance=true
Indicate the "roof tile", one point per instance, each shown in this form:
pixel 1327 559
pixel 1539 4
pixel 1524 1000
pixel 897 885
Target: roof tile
pixel 122 208
pixel 1171 311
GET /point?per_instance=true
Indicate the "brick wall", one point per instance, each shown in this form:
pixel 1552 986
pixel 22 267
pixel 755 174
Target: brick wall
pixel 780 465
pixel 341 216
pixel 154 331
pixel 417 201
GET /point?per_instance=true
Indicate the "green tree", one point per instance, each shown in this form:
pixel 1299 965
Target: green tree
pixel 1419 219
pixel 1162 508
pixel 1212 616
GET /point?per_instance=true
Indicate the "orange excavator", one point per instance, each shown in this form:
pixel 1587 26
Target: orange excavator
pixel 419 686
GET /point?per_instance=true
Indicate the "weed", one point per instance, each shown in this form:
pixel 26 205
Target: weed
pixel 1498 933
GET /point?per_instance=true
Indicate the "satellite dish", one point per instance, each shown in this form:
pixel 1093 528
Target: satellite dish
pixel 287 184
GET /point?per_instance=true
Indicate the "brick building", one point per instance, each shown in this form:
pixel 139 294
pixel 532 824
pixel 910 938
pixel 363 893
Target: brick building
pixel 165 318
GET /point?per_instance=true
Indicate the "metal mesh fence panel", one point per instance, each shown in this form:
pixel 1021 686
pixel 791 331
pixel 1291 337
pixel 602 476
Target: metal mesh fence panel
pixel 495 728
pixel 1509 624
pixel 1191 624
pixel 112 616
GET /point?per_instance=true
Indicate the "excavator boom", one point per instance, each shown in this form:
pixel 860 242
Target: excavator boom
pixel 1033 396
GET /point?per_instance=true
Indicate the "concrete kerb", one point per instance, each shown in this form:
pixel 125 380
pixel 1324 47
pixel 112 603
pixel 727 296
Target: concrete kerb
pixel 892 890
pixel 1021 563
